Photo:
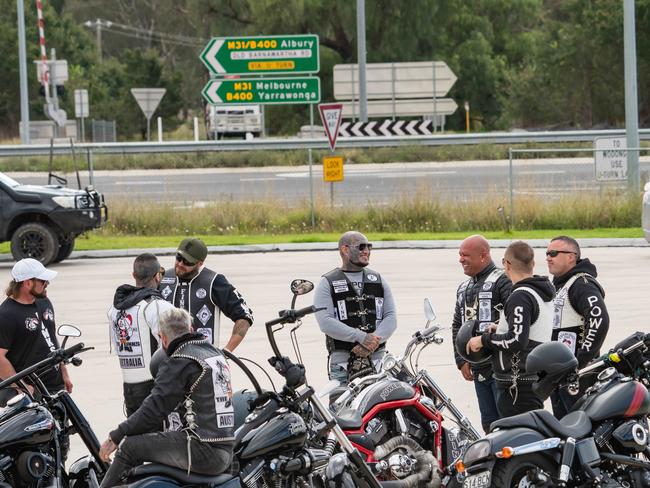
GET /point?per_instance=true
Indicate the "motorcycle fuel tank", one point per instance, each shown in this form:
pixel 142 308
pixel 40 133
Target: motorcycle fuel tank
pixel 382 392
pixel 627 399
pixel 30 427
pixel 285 431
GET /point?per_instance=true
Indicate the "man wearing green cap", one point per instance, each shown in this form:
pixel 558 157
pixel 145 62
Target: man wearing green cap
pixel 205 294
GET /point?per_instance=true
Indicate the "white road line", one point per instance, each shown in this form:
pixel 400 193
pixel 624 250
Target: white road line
pixel 270 178
pixel 542 172
pixel 143 182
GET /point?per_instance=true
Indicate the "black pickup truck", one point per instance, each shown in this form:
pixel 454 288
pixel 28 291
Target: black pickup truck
pixel 42 222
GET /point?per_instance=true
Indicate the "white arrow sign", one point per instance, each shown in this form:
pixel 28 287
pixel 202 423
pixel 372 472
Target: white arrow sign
pixel 330 115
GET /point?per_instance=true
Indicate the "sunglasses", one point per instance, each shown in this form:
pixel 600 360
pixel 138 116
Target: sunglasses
pixel 553 253
pixel 181 259
pixel 363 246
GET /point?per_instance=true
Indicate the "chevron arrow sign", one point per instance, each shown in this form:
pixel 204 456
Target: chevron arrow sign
pixel 386 128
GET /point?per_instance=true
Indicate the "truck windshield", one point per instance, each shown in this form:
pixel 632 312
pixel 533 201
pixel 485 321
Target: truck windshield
pixel 10 182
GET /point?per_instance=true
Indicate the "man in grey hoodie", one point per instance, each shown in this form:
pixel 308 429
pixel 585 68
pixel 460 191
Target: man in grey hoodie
pixel 133 321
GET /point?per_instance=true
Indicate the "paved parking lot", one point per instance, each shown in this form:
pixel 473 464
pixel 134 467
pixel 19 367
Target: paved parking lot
pixel 84 289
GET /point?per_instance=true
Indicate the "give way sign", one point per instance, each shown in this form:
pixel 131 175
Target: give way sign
pixel 330 114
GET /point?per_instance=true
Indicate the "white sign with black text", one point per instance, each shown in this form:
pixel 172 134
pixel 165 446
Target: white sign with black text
pixel 611 158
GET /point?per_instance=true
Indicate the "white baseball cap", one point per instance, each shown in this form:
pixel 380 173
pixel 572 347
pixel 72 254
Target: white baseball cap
pixel 29 268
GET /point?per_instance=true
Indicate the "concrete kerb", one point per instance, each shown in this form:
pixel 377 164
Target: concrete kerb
pixel 330 246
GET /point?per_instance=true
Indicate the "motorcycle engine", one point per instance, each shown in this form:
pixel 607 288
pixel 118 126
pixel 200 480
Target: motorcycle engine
pixel 32 468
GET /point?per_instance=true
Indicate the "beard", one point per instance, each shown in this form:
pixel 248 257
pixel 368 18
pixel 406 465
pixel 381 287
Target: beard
pixel 187 275
pixel 42 294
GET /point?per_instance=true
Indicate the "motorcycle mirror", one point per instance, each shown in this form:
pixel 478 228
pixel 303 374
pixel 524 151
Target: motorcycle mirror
pixel 429 312
pixel 301 287
pixel 68 331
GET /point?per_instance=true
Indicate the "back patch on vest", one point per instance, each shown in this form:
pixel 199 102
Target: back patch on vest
pixel 222 391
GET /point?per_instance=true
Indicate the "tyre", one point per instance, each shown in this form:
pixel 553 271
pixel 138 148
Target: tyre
pixel 35 240
pixel 513 472
pixel 65 249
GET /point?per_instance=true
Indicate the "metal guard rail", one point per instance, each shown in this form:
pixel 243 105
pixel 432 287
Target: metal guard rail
pixel 314 143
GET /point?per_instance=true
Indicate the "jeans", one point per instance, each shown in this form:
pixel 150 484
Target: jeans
pixel 134 395
pixel 338 364
pixel 486 393
pixel 169 448
pixel 525 400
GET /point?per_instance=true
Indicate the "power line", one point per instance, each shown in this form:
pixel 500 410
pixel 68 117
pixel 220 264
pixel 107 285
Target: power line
pixel 141 33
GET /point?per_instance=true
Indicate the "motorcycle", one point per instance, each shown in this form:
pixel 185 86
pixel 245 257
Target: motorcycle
pixel 602 441
pixel 35 430
pixel 272 446
pixel 392 415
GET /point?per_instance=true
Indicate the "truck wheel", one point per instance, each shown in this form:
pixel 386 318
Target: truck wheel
pixel 35 240
pixel 65 249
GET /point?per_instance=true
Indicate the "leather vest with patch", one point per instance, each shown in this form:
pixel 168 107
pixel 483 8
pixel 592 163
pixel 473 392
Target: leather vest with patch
pixel 133 340
pixel 540 332
pixel 568 325
pixel 479 305
pixel 195 297
pixel 356 311
pixel 207 411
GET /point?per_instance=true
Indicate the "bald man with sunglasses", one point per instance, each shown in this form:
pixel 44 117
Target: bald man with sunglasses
pixel 358 313
pixel 580 318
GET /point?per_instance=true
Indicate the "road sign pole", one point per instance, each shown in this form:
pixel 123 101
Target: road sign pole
pixel 148 128
pixel 631 98
pixel 361 54
pixel 22 68
pixel 332 194
pixel 311 169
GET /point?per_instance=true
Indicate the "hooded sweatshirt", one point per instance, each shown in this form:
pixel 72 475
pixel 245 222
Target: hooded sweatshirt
pixel 586 298
pixel 521 313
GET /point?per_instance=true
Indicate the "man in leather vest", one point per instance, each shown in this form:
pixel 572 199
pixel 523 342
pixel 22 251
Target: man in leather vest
pixel 480 298
pixel 580 319
pixel 205 294
pixel 133 321
pixel 193 392
pixel 359 311
pixel 525 324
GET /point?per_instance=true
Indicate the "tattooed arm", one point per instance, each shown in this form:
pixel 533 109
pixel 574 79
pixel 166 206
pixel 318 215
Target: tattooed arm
pixel 238 333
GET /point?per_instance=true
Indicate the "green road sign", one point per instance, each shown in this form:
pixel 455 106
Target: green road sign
pixel 263 90
pixel 262 54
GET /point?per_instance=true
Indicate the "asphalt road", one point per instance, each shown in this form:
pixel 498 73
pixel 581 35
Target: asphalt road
pixel 363 183
pixel 84 289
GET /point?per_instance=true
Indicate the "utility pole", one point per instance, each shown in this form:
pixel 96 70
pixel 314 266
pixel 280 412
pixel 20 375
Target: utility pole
pixel 98 24
pixel 631 98
pixel 22 68
pixel 361 55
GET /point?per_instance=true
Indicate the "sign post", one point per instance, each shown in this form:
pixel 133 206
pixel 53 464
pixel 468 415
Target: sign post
pixel 262 55
pixel 81 109
pixel 148 100
pixel 610 156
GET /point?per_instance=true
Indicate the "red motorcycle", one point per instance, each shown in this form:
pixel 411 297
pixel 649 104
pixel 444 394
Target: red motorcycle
pixel 393 415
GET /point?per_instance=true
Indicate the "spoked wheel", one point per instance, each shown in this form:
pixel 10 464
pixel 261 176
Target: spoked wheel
pixel 515 472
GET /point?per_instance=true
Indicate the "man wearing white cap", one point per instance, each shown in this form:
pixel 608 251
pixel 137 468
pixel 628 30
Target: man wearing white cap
pixel 27 328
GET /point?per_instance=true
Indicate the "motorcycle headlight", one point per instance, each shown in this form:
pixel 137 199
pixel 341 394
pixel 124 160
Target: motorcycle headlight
pixel 388 363
pixel 477 451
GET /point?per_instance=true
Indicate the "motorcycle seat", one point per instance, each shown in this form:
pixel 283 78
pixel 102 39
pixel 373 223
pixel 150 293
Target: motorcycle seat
pixel 349 419
pixel 180 475
pixel 576 424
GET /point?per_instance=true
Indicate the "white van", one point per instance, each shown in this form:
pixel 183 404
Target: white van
pixel 233 120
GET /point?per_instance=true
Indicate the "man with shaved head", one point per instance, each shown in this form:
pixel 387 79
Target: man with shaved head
pixel 480 298
pixel 358 313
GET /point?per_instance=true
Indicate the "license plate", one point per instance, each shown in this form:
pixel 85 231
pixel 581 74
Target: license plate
pixel 479 480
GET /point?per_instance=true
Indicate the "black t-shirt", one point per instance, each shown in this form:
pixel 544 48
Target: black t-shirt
pixel 28 334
